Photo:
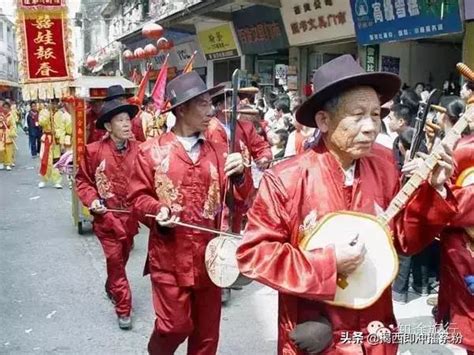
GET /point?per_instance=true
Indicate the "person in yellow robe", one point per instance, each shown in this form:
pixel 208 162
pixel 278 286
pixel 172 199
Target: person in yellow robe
pixel 7 136
pixel 16 119
pixel 51 122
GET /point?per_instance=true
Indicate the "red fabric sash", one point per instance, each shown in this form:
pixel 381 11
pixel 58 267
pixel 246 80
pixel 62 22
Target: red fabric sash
pixel 48 140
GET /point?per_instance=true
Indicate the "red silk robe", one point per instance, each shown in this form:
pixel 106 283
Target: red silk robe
pixel 186 302
pixel 455 303
pixel 164 175
pixel 292 197
pixel 251 145
pixel 104 174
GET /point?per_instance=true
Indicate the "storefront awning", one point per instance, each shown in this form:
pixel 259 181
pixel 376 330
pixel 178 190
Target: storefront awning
pixel 4 82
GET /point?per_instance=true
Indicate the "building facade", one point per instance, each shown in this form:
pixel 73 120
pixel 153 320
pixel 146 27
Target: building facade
pixel 8 58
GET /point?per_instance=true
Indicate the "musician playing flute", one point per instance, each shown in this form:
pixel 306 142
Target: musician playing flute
pixel 182 175
pixel 344 171
pixel 102 183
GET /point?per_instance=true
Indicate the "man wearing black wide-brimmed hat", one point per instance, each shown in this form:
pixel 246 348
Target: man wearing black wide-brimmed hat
pixel 102 183
pixel 345 171
pixel 182 175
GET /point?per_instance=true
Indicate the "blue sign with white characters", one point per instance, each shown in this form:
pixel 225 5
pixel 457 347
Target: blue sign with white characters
pixel 378 21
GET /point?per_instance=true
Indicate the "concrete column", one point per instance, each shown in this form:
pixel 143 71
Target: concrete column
pixel 210 73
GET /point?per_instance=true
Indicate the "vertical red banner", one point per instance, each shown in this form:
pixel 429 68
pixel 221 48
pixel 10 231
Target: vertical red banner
pixel 45 48
pixel 45 56
pixel 80 130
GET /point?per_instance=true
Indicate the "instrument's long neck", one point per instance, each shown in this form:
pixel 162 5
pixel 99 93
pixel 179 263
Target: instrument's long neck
pixel 422 173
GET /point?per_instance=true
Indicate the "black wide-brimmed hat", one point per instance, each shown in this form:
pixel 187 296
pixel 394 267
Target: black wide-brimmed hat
pixel 116 91
pixel 341 74
pixel 113 108
pixel 186 87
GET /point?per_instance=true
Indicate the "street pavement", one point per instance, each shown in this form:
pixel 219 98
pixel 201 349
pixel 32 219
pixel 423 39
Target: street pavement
pixel 52 296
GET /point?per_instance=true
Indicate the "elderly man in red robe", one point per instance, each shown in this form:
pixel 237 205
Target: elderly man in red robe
pixel 102 184
pixel 345 171
pixel 182 175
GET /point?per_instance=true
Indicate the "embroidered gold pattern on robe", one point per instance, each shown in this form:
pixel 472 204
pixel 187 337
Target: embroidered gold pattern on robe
pixel 211 205
pixel 167 193
pixel 309 224
pixel 102 182
pixel 245 153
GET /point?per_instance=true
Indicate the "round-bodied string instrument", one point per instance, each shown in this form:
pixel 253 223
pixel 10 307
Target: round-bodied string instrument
pixel 366 284
pixel 220 256
pixel 221 262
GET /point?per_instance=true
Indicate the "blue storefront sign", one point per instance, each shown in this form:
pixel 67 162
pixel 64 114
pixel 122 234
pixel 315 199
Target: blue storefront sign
pixel 260 30
pixel 378 21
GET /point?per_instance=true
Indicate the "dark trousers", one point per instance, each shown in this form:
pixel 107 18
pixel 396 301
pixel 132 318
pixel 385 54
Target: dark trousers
pixel 35 144
pixel 400 285
pixel 423 266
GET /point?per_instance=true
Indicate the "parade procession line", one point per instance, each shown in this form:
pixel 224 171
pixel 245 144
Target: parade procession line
pixel 52 282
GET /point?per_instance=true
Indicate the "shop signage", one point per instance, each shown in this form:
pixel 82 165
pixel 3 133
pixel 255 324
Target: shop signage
pixel 391 64
pixel 260 29
pixel 372 58
pixel 184 52
pixel 218 42
pixel 378 21
pixel 317 21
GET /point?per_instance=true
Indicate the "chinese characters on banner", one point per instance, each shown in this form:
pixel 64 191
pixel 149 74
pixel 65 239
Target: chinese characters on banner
pixel 45 47
pixel 372 58
pixel 316 20
pixel 218 42
pixel 260 29
pixel 378 21
pixel 42 3
pixel 80 133
pixel 45 55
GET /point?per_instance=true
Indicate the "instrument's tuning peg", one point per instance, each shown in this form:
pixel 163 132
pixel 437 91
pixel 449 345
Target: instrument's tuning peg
pixel 245 111
pixel 251 90
pixel 438 108
pixel 465 71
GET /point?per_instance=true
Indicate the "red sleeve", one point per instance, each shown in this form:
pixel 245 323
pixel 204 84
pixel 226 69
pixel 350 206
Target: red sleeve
pixel 465 199
pixel 142 196
pixel 424 217
pixel 85 180
pixel 259 148
pixel 243 186
pixel 267 255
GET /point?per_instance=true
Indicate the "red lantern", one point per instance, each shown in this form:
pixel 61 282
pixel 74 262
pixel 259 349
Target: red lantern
pixel 128 54
pixel 162 44
pixel 91 61
pixel 150 50
pixel 152 31
pixel 139 53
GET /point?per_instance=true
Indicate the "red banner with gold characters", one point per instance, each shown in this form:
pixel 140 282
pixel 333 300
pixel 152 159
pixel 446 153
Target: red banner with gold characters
pixel 80 130
pixel 46 56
